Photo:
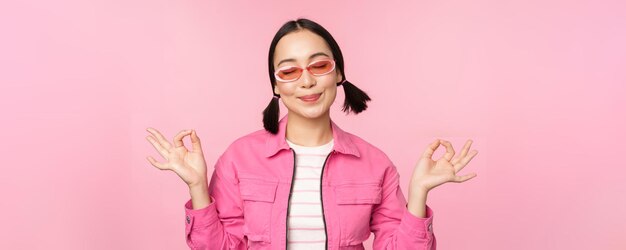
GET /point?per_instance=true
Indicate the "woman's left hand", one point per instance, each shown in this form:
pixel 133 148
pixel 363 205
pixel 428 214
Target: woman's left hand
pixel 429 174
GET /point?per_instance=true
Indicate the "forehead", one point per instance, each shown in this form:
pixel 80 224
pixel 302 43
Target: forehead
pixel 300 45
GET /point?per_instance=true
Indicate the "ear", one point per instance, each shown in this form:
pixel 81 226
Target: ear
pixel 276 91
pixel 340 76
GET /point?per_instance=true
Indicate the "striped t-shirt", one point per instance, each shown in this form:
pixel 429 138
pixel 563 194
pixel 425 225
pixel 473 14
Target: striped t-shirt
pixel 305 222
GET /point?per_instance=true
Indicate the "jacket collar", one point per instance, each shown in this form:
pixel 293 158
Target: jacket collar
pixel 341 141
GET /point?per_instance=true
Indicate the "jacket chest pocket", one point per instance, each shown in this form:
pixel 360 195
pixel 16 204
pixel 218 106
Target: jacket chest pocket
pixel 258 200
pixel 355 203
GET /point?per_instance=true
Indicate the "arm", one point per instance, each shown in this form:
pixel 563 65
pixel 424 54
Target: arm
pixel 413 231
pixel 396 228
pixel 217 225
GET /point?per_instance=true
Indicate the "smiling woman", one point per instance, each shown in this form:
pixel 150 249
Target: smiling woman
pixel 302 182
pixel 305 94
pixel 300 45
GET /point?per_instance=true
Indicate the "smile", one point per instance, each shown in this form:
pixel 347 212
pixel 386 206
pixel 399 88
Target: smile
pixel 310 98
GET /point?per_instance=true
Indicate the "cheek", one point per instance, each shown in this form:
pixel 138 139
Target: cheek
pixel 332 94
pixel 331 88
pixel 285 90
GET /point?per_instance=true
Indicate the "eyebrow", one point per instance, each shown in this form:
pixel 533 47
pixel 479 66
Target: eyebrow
pixel 293 60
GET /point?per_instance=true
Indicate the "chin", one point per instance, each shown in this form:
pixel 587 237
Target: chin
pixel 313 114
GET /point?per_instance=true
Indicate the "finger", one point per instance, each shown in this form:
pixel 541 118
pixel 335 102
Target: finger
pixel 428 153
pixel 195 142
pixel 464 177
pixel 449 150
pixel 160 138
pixel 464 161
pixel 464 151
pixel 178 139
pixel 164 152
pixel 156 163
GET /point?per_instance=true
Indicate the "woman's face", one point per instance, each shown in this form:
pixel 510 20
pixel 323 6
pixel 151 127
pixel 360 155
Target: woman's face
pixel 300 46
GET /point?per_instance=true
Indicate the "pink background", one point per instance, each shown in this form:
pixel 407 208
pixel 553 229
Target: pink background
pixel 538 85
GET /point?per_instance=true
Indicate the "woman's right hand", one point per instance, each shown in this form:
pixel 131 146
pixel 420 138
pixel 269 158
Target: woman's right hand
pixel 188 165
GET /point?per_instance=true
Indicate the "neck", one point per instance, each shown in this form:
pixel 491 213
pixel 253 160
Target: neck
pixel 308 132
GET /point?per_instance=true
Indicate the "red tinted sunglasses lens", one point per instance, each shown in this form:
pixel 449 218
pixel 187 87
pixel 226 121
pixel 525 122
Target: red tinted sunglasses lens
pixel 317 68
pixel 289 74
pixel 321 67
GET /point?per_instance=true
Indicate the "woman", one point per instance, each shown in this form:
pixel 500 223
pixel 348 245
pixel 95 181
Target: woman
pixel 302 182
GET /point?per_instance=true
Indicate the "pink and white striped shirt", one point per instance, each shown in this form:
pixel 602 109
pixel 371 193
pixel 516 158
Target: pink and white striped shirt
pixel 305 223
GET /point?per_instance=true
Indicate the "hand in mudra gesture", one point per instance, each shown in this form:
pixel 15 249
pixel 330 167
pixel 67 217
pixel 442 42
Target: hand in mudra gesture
pixel 429 173
pixel 188 165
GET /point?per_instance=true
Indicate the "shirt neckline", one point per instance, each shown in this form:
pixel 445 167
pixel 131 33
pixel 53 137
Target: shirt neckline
pixel 307 149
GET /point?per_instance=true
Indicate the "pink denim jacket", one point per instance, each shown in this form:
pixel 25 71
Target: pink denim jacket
pixel 251 186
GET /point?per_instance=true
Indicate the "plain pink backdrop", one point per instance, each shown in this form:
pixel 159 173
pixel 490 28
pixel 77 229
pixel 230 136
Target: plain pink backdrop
pixel 538 85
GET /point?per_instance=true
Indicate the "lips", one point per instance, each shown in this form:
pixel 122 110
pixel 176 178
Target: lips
pixel 310 98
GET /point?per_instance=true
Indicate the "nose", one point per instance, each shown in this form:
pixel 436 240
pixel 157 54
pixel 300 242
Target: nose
pixel 308 80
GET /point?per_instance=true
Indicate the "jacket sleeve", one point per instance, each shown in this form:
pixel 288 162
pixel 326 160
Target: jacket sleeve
pixel 394 227
pixel 219 225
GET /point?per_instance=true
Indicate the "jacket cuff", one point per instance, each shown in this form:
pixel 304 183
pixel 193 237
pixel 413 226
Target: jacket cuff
pixel 195 218
pixel 415 225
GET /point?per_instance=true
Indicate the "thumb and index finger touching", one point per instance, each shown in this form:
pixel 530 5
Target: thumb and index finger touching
pixel 432 147
pixel 195 140
pixel 430 150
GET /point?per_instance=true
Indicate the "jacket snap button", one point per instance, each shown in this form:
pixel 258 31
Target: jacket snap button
pixel 430 227
pixel 188 220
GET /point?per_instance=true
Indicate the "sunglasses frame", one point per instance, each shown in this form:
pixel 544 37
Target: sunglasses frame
pixel 308 68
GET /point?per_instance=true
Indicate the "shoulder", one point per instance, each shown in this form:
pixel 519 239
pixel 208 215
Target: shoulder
pixel 367 150
pixel 245 148
pixel 251 142
pixel 255 138
pixel 372 160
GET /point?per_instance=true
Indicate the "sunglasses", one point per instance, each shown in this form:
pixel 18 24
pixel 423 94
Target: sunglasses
pixel 316 68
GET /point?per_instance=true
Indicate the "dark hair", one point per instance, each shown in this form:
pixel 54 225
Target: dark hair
pixel 355 99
